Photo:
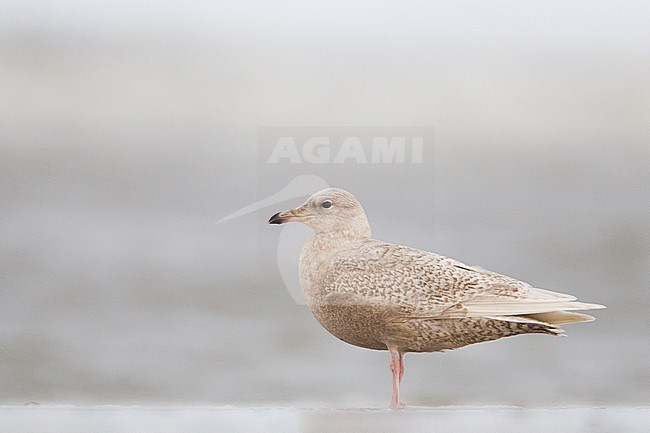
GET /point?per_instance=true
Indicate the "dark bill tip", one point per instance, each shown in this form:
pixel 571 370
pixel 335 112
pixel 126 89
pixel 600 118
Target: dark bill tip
pixel 276 219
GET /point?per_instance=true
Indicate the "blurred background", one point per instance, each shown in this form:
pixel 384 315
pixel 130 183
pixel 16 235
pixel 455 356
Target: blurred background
pixel 127 128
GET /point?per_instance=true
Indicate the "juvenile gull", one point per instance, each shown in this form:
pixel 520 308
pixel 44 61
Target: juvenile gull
pixel 384 296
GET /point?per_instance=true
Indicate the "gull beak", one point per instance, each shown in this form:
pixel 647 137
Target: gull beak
pixel 284 217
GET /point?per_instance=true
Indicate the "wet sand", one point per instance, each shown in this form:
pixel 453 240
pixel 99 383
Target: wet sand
pixel 197 419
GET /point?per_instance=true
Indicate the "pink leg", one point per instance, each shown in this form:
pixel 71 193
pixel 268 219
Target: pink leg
pixel 397 367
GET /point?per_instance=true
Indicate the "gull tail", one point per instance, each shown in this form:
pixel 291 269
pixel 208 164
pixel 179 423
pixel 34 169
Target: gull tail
pixel 545 309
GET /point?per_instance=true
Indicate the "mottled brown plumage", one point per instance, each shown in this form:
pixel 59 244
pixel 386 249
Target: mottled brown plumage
pixel 383 296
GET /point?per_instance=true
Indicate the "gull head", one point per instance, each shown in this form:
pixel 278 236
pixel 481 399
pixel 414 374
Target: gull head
pixel 332 210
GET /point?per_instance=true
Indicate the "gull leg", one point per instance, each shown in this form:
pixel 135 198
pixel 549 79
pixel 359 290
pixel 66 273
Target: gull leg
pixel 397 367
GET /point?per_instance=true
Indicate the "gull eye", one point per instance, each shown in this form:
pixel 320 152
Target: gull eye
pixel 327 204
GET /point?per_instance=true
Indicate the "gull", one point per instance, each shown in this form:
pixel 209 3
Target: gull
pixel 383 296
